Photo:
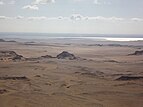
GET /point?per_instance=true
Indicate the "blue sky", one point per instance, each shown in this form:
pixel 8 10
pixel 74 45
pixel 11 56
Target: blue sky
pixel 72 16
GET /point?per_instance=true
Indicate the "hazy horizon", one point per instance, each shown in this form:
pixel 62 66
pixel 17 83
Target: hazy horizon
pixel 73 33
pixel 71 36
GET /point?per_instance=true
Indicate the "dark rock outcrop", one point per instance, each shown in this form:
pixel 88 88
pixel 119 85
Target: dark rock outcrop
pixel 126 78
pixel 137 53
pixel 14 78
pixel 66 55
pixel 1 40
pixel 47 56
pixel 39 58
pixel 63 55
pixel 10 55
pixel 2 91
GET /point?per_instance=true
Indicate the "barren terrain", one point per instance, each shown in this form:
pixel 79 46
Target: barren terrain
pixel 96 76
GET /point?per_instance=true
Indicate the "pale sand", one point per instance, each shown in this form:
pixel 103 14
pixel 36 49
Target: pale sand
pixel 72 83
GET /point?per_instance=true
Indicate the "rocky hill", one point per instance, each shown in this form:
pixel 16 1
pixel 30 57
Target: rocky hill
pixel 1 40
pixel 10 55
pixel 66 55
pixel 137 53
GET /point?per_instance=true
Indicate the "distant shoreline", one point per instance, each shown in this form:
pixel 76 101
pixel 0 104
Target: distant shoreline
pixel 93 37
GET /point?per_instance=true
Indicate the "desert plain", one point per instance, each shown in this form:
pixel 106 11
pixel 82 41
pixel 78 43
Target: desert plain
pixel 101 74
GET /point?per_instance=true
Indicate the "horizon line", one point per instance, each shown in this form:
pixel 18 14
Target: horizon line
pixel 72 33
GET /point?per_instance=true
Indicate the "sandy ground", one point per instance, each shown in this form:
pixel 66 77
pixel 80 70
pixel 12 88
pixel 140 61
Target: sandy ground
pixel 86 82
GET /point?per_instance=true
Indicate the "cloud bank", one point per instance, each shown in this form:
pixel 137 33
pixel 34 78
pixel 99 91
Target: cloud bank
pixel 31 7
pixel 43 1
pixel 73 17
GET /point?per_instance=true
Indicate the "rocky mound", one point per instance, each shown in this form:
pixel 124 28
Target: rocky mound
pixel 137 53
pixel 66 55
pixel 1 40
pixel 10 55
pixel 125 78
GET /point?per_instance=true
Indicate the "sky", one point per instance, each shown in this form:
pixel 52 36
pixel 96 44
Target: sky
pixel 72 16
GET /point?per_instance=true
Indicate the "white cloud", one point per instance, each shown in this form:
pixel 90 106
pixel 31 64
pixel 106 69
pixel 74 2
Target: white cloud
pixel 44 1
pixel 11 2
pixel 19 17
pixel 97 2
pixel 137 19
pixel 80 17
pixel 78 0
pixel 37 18
pixel 115 18
pixel 76 17
pixel 47 18
pixel 3 17
pixel 58 18
pixel 106 18
pixel 31 7
pixel 1 2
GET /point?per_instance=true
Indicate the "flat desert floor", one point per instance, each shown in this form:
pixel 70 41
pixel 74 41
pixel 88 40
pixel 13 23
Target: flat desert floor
pixel 94 79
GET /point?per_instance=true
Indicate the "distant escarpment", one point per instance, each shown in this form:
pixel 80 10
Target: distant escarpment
pixel 137 53
pixel 10 56
pixel 66 55
pixel 2 40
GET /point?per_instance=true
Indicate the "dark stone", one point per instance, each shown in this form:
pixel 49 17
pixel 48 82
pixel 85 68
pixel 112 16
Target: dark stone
pixel 47 56
pixel 125 78
pixel 66 55
pixel 89 74
pixel 137 53
pixel 11 55
pixel 37 76
pixel 14 78
pixel 2 91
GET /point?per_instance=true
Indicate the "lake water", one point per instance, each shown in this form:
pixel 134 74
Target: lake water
pixel 96 37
